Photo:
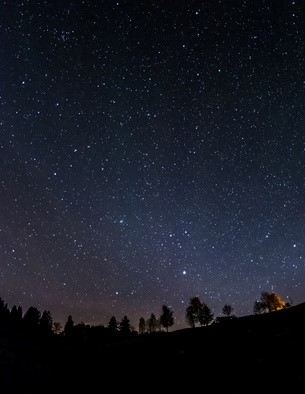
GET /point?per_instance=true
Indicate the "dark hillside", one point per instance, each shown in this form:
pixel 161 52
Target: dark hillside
pixel 264 349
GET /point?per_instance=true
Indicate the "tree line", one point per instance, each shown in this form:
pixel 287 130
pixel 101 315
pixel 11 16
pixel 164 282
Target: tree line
pixel 197 313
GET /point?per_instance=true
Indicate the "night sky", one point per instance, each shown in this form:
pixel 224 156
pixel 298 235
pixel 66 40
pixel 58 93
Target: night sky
pixel 151 151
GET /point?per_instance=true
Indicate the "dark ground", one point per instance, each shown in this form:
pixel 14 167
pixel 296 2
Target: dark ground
pixel 259 352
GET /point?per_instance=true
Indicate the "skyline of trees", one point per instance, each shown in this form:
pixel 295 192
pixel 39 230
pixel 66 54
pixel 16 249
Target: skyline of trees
pixel 197 312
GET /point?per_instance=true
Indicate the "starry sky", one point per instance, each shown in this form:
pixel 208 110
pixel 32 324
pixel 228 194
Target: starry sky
pixel 151 151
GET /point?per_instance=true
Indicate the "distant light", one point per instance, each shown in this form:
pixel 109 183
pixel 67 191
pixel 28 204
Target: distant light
pixel 184 272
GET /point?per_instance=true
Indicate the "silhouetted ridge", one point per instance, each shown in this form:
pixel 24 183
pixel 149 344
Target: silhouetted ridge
pixel 231 348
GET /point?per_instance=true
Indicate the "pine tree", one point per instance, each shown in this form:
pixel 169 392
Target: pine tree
pixel 152 323
pixel 46 322
pixel 125 327
pixel 31 318
pixel 166 319
pixel 69 326
pixel 142 325
pixel 113 324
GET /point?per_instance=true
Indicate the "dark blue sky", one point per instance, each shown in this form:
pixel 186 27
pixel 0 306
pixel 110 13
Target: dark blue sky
pixel 151 151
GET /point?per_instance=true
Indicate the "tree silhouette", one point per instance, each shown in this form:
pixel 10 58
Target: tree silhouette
pixel 31 318
pixel 46 322
pixel 190 316
pixel 125 327
pixel 152 323
pixel 193 311
pixel 205 315
pixel 167 318
pixel 272 302
pixel 69 326
pixel 113 324
pixel 259 307
pixel 227 310
pixel 198 312
pixel 142 325
pixel 159 325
